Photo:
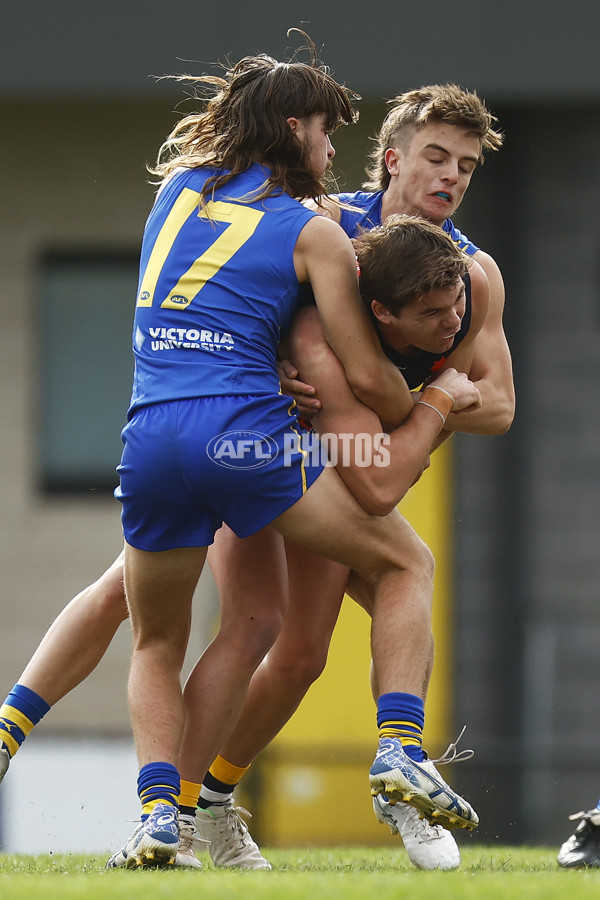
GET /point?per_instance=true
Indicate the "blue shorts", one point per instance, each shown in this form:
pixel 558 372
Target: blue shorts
pixel 190 465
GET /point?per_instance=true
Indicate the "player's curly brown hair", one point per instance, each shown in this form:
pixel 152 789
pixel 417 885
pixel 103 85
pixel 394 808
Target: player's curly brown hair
pixel 244 121
pixel 412 110
pixel 405 258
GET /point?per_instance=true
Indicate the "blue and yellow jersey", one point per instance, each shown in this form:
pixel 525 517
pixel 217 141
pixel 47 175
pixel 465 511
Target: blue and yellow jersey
pixel 419 366
pixel 368 215
pixel 217 286
pixel 459 238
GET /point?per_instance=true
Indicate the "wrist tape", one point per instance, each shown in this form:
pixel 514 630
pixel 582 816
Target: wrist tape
pixel 437 398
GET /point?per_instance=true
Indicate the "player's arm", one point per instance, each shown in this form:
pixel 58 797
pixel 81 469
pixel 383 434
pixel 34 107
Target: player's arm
pixel 304 394
pixel 378 478
pixel 324 257
pixel 462 358
pixel 491 367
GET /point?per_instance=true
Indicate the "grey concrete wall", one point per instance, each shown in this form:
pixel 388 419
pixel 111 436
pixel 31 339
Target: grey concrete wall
pixel 73 177
pixel 515 49
pixel 529 618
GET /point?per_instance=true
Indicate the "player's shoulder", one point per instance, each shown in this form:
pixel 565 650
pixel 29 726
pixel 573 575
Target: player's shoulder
pixel 486 261
pixel 480 291
pixel 321 242
pixel 477 274
pixel 327 207
pixel 323 228
pixel 492 270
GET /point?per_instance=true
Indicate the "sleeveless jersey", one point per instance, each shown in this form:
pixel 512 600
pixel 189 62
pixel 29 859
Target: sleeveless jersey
pixel 421 365
pixel 215 291
pixel 368 215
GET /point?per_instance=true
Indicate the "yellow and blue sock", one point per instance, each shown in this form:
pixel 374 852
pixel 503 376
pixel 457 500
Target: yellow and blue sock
pixel 403 716
pixel 158 782
pixel 19 714
pixel 220 782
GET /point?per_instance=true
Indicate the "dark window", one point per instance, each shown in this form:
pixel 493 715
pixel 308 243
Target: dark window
pixel 86 365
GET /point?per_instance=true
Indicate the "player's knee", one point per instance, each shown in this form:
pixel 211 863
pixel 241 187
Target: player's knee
pixel 424 561
pixel 163 650
pixel 256 636
pixel 413 558
pixel 104 600
pixel 298 670
pixel 111 593
pixel 310 667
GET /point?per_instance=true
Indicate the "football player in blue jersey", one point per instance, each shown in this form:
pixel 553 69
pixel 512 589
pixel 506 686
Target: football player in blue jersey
pixel 422 162
pixel 225 248
pixel 425 324
pixel 101 607
pixel 424 156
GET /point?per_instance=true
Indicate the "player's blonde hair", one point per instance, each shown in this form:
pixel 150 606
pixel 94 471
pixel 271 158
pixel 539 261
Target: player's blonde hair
pixel 405 258
pixel 244 121
pixel 412 110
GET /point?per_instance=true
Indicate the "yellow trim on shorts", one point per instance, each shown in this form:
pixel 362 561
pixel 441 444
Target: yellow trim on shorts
pixel 301 451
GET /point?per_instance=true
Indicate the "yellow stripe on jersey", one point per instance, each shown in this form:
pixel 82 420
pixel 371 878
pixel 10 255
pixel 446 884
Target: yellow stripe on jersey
pixel 243 222
pixel 182 209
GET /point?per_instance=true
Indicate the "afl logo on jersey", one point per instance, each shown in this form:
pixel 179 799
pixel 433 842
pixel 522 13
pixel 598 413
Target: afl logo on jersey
pixel 242 450
pixel 178 300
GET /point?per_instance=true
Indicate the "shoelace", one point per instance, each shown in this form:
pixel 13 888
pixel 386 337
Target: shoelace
pixel 423 831
pixel 429 835
pixel 452 754
pixel 240 815
pixel 188 836
pixel 240 811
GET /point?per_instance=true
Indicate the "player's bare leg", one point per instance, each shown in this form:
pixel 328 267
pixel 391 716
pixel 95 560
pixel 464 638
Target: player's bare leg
pixel 71 649
pixel 78 638
pixel 361 591
pixel 259 570
pixel 401 631
pixel 160 588
pixel 297 657
pixel 428 846
pixel 251 575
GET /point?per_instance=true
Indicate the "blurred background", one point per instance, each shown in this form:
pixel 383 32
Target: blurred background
pixel 513 520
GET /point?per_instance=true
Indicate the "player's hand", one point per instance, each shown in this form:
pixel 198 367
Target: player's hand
pixel 464 393
pixel 304 394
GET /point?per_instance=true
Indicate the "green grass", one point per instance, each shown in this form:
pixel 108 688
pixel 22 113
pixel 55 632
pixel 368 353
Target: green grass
pixel 349 873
